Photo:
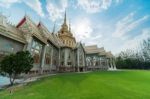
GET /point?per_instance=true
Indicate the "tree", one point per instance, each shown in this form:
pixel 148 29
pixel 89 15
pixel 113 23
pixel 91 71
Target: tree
pixel 145 47
pixel 135 59
pixel 129 59
pixel 15 64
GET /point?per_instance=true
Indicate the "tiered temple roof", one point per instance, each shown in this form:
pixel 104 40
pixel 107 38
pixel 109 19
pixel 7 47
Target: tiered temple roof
pixel 41 32
pixel 50 36
pixel 93 49
pixel 109 54
pixel 10 31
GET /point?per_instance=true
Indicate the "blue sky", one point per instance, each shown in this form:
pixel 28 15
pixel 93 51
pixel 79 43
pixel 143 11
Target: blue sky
pixel 115 25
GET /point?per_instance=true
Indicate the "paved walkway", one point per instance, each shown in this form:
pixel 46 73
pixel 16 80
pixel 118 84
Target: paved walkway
pixel 31 79
pixel 23 82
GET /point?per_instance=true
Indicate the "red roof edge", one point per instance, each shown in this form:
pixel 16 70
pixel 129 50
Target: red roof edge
pixel 21 22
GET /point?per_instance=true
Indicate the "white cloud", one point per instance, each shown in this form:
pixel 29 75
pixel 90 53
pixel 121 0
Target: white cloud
pixel 34 4
pixel 8 3
pixel 89 6
pixel 136 41
pixel 127 24
pixel 105 4
pixel 82 28
pixel 56 11
pixel 118 1
pixel 93 6
pixel 64 3
pixel 117 45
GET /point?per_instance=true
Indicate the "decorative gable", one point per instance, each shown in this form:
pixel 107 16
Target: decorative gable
pixel 30 28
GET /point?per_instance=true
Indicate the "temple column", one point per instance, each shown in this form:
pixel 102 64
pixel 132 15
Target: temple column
pixel 85 62
pixel 100 59
pixel 51 59
pixel 83 65
pixel 107 64
pixel 92 63
pixel 100 62
pixel 97 63
pixel 114 64
pixel 78 59
pixel 104 63
pixel 59 60
pixel 43 59
pixel 29 43
pixel 110 67
pixel 65 59
pixel 111 64
pixel 74 60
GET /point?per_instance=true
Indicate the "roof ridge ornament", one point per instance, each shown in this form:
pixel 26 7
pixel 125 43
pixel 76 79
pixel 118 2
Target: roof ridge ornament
pixel 54 27
pixel 25 14
pixel 70 31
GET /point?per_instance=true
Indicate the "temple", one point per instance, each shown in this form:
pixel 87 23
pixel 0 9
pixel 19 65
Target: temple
pixel 52 51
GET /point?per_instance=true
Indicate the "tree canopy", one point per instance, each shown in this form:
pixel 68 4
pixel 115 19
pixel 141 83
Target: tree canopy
pixel 15 64
pixel 135 59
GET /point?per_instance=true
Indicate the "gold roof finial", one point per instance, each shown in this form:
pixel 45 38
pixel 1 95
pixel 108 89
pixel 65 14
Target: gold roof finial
pixel 69 27
pixel 65 17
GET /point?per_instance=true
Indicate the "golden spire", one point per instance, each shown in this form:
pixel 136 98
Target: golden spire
pixel 69 27
pixel 65 18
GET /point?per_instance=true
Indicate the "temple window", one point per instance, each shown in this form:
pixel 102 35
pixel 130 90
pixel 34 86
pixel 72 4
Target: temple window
pixel 8 46
pixel 36 50
pixel 48 54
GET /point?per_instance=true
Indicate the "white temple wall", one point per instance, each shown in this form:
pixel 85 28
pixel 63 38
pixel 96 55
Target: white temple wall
pixel 8 46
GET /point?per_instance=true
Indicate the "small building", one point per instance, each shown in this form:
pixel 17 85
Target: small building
pixel 99 59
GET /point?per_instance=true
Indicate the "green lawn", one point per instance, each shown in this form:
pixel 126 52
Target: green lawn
pixel 93 85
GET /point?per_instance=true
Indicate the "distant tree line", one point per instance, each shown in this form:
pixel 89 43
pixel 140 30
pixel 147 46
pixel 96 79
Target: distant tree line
pixel 135 59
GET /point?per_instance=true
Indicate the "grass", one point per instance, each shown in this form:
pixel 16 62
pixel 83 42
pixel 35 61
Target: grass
pixel 93 85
